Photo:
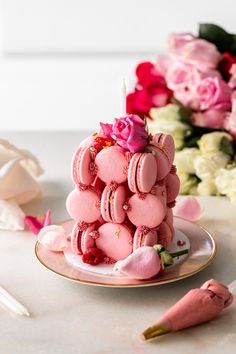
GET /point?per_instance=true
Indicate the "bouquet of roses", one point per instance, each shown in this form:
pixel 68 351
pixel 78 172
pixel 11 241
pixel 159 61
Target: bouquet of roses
pixel 190 92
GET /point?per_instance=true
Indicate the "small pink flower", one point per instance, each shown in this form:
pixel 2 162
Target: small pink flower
pixel 211 118
pixel 53 237
pixel 214 93
pixel 230 123
pixel 106 129
pixel 36 223
pixel 130 132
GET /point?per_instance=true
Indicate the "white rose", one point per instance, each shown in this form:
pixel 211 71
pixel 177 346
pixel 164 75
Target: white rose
pixel 207 187
pixel 187 182
pixel 212 142
pixel 184 160
pixel 225 181
pixel 206 165
pixel 168 112
pixel 175 128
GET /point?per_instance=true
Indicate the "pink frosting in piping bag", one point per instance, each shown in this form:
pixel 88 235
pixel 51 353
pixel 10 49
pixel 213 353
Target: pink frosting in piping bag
pixel 198 306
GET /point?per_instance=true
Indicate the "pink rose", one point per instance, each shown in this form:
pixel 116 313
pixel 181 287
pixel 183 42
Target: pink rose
pixel 178 41
pixel 214 93
pixel 184 79
pixel 210 119
pixel 198 52
pixel 230 123
pixel 130 133
pixel 232 81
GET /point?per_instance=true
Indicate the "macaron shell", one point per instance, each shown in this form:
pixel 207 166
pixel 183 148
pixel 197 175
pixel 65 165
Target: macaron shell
pixel 75 239
pixel 115 240
pixel 116 205
pixel 133 165
pixel 163 164
pixel 165 234
pixel 86 240
pixel 160 191
pixel 167 141
pixel 112 164
pixel 169 219
pixel 146 173
pixel 84 205
pixel 172 187
pixel 148 211
pixel 150 239
pixel 88 141
pixel 105 204
pixel 83 166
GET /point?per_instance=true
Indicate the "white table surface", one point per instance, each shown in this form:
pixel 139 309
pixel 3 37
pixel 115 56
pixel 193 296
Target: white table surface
pixel 74 318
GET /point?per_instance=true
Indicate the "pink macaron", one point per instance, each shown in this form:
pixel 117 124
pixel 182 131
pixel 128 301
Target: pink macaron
pixel 83 237
pixel 165 234
pixel 83 166
pixel 169 218
pixel 162 147
pixel 115 240
pixel 112 164
pixel 159 190
pixel 112 203
pixel 145 209
pixel 144 237
pixel 142 172
pixel 84 205
pixel 172 186
pixel 166 143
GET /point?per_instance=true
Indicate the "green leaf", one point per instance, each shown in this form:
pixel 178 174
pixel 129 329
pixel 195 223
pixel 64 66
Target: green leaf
pixel 226 146
pixel 217 35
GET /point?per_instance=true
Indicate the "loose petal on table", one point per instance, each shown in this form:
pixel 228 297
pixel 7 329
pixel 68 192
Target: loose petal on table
pixel 188 208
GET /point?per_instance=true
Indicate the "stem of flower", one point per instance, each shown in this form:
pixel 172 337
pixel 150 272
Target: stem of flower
pixel 179 253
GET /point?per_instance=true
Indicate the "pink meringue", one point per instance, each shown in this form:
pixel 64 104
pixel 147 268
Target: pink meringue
pixel 53 237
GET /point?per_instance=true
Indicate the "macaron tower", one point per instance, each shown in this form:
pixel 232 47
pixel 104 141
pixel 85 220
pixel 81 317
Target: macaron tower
pixel 125 188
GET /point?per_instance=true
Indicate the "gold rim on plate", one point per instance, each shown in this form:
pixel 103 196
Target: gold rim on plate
pixel 203 249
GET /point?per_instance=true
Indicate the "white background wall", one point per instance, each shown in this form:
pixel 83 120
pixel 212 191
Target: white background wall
pixel 62 61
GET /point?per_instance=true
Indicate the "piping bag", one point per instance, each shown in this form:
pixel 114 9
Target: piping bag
pixel 197 306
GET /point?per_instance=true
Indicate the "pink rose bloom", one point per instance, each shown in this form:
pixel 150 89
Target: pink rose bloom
pixel 211 118
pixel 230 123
pixel 214 93
pixel 184 79
pixel 178 41
pixel 232 81
pixel 198 52
pixel 130 133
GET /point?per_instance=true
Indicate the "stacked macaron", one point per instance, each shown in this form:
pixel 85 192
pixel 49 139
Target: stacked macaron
pixel 122 200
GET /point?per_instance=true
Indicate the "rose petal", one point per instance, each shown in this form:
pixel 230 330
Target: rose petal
pixel 34 223
pixel 11 216
pixel 188 208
